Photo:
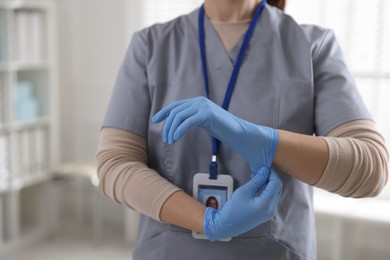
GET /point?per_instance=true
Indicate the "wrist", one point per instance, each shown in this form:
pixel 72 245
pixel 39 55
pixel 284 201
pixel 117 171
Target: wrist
pixel 274 140
pixel 301 156
pixel 264 148
pixel 209 223
pixel 184 211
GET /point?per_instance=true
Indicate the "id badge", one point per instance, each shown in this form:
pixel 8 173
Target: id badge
pixel 212 193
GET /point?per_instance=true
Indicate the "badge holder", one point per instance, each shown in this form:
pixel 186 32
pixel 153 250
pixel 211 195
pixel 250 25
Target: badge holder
pixel 212 193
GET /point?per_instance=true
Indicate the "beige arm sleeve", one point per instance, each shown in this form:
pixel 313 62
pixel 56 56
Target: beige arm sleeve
pixel 124 175
pixel 358 160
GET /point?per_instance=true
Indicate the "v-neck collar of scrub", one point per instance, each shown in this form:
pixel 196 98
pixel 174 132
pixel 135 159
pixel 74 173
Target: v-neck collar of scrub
pixel 217 56
pixel 215 49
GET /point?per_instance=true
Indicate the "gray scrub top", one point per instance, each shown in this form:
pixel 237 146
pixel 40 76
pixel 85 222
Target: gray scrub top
pixel 293 77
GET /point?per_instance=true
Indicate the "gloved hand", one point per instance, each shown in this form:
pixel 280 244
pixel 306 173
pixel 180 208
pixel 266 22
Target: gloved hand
pixel 245 210
pixel 257 144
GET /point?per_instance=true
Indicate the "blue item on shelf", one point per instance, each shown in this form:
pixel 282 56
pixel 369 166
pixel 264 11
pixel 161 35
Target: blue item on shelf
pixel 25 104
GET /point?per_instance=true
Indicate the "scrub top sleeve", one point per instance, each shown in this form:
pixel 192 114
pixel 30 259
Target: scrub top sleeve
pixel 129 107
pixel 337 99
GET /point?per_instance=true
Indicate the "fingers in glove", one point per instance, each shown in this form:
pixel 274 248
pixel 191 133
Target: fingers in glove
pixel 195 120
pixel 271 192
pixel 171 118
pixel 164 112
pixel 257 182
pixel 178 120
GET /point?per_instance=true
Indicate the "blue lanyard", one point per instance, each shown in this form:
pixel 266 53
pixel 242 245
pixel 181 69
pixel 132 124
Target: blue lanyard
pixel 233 78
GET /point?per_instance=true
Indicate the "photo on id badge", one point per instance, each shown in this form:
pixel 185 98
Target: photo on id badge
pixel 212 193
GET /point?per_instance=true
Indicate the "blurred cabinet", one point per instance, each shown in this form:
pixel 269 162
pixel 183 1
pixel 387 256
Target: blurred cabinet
pixel 28 117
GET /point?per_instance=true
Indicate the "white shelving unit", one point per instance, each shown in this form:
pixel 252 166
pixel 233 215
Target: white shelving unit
pixel 28 118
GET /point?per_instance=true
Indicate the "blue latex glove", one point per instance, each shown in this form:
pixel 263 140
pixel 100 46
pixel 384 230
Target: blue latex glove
pixel 257 144
pixel 245 209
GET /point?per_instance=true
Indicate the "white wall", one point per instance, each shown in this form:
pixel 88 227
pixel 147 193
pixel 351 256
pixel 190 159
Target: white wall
pixel 93 36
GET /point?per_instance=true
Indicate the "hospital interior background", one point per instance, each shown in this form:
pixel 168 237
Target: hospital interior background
pixel 58 63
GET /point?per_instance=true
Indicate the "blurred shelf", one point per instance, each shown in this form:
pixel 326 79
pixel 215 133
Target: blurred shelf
pixel 29 84
pixel 28 181
pixel 17 4
pixel 39 122
pixel 371 75
pixel 24 65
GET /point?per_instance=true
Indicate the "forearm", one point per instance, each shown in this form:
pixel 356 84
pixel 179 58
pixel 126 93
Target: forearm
pixel 351 161
pixel 302 156
pixel 124 175
pixel 125 178
pixel 182 210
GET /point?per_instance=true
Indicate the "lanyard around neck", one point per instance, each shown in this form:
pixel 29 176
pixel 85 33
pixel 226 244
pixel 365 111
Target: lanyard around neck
pixel 233 78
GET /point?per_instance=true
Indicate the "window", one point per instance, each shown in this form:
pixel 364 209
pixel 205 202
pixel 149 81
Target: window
pixel 363 31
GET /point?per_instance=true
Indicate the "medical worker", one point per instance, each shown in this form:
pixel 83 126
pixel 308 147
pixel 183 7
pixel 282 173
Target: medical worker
pixel 284 113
